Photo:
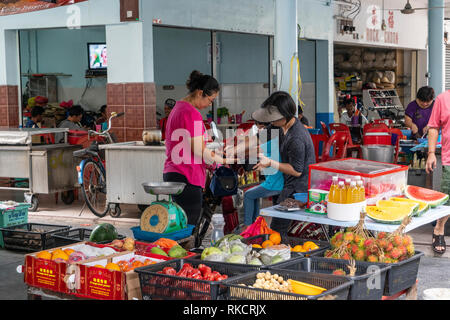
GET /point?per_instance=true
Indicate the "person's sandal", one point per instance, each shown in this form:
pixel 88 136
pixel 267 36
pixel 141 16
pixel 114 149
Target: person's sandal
pixel 438 241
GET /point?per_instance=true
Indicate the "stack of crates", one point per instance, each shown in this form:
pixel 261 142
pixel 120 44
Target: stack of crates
pixel 12 214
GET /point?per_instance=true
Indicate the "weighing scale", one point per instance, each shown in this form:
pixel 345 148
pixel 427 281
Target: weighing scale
pixel 163 216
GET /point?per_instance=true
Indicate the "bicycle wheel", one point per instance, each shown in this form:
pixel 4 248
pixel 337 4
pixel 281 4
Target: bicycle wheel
pixel 94 189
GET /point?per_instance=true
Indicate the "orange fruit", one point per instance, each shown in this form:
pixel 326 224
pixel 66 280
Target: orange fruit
pixel 124 266
pixel 99 266
pixel 297 248
pixel 69 251
pixel 267 243
pixel 59 254
pixel 44 255
pixel 137 264
pixel 112 266
pixel 148 262
pixel 310 246
pixel 275 238
pixel 256 246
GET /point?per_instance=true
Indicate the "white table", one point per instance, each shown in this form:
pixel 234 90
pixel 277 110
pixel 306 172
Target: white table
pixel 301 215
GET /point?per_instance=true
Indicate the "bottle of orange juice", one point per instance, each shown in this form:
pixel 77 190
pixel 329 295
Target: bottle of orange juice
pixel 361 190
pixel 353 194
pixel 332 196
pixel 342 193
pixel 347 191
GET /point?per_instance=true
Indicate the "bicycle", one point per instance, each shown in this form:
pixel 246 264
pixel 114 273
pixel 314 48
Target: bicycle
pixel 92 173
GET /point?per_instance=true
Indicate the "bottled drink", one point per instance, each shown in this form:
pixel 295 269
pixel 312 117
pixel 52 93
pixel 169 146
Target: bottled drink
pixel 332 196
pixel 347 190
pixel 342 194
pixel 353 193
pixel 218 223
pixel 361 190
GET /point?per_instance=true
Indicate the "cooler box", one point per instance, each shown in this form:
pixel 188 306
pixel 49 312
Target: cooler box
pixel 381 180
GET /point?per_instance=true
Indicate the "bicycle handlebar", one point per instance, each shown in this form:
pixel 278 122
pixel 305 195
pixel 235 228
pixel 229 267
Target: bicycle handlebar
pixel 113 115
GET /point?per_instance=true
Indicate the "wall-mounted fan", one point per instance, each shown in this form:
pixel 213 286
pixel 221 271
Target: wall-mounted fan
pixel 408 9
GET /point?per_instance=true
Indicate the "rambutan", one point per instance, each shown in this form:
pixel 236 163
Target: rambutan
pixel 328 254
pixel 357 238
pixel 339 272
pixel 382 243
pixel 397 240
pixel 349 236
pixel 372 258
pixel 403 249
pixel 396 253
pixel 369 242
pixel 410 249
pixel 389 247
pixel 359 255
pixel 346 256
pixel 354 248
pixel 381 235
pixel 407 240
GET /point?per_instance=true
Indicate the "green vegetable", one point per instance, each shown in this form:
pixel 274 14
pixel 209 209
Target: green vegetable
pixel 209 251
pixel 177 252
pixel 156 250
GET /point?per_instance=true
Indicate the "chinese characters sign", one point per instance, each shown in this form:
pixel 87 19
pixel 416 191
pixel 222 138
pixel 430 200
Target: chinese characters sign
pixel 374 31
pixel 8 7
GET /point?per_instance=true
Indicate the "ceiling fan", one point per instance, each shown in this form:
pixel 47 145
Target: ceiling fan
pixel 408 9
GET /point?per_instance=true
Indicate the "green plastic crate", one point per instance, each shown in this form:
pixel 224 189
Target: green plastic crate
pixel 13 215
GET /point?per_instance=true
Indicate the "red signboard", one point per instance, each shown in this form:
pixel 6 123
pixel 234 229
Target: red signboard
pixel 8 7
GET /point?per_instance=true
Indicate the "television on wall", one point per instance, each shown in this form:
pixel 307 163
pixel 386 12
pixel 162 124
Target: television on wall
pixel 98 59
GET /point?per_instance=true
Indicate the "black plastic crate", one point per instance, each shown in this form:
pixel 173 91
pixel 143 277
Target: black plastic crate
pixel 31 236
pixel 368 284
pixel 402 275
pixel 292 241
pixel 76 235
pixel 156 286
pixel 337 287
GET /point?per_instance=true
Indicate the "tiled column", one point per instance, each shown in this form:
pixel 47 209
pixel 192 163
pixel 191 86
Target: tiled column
pixel 131 87
pixel 9 106
pixel 138 101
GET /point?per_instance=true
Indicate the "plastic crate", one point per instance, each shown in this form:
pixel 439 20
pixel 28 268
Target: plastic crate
pixel 30 236
pixel 402 275
pixel 152 236
pixel 71 236
pixel 156 286
pixel 292 241
pixel 337 287
pixel 360 289
pixel 14 215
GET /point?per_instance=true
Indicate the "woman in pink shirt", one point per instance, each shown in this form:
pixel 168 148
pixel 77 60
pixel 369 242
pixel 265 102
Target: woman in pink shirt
pixel 185 144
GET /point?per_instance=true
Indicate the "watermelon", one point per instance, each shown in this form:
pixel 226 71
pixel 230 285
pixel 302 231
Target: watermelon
pixel 423 206
pixel 390 203
pixel 433 198
pixel 388 215
pixel 103 232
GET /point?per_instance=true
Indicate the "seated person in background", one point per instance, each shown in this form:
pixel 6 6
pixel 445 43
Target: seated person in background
pixel 419 111
pixel 347 111
pixel 168 106
pixel 272 185
pixel 103 119
pixel 72 122
pixel 36 117
pixel 302 117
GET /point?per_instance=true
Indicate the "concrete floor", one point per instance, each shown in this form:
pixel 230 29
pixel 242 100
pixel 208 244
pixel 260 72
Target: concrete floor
pixel 434 271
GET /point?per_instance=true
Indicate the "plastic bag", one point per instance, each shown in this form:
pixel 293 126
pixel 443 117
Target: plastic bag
pixel 275 254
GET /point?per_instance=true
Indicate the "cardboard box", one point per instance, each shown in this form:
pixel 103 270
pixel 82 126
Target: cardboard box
pixel 103 284
pixel 51 275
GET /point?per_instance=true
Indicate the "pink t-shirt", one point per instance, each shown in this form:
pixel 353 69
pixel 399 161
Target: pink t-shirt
pixel 440 118
pixel 184 122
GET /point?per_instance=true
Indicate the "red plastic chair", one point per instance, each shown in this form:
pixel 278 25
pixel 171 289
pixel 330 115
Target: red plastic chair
pixel 325 130
pixel 340 127
pixel 339 142
pixel 376 133
pixel 317 139
pixel 399 134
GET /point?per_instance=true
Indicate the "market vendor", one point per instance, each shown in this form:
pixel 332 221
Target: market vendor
pixel 36 117
pixel 103 118
pixel 296 149
pixel 186 150
pixel 72 122
pixel 168 106
pixel 418 112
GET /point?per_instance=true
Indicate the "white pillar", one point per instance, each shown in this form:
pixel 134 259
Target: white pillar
pixel 9 57
pixel 286 46
pixel 130 52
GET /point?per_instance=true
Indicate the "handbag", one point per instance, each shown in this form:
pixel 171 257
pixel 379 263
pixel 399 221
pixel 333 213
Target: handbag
pixel 224 182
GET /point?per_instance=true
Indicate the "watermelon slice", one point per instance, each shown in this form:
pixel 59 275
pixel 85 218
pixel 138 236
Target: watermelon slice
pixel 433 198
pixel 388 215
pixel 423 206
pixel 389 203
